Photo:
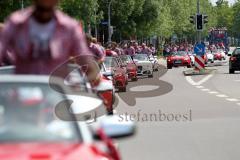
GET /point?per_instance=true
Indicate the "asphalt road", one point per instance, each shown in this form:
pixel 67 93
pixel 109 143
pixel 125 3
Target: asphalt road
pixel 207 110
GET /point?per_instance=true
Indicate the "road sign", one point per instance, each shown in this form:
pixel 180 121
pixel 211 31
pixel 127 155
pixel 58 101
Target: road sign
pixel 104 23
pixel 199 63
pixel 199 49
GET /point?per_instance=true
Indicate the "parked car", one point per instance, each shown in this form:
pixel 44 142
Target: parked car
pixel 34 126
pixel 177 59
pixel 131 67
pixel 119 74
pixel 144 65
pixel 234 61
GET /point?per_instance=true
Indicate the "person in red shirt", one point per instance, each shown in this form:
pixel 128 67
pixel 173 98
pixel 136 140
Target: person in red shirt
pixel 42 39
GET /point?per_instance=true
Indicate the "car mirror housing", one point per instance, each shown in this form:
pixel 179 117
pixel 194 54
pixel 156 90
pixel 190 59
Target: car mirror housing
pixel 114 127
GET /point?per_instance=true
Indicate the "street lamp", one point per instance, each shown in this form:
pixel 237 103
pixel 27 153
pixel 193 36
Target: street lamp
pixel 109 21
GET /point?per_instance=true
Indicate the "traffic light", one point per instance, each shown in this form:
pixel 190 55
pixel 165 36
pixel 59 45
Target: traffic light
pixel 199 23
pixel 192 19
pixel 205 19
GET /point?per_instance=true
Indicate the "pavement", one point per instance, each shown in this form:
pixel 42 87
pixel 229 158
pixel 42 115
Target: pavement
pixel 203 116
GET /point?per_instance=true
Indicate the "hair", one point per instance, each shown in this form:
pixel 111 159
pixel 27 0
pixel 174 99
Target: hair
pixel 94 40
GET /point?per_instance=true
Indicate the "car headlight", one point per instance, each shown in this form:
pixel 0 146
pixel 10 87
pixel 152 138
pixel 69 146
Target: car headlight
pixel 110 77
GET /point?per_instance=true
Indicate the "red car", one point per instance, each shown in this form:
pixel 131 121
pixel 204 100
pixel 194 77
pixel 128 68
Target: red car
pixel 177 59
pixel 34 127
pixel 219 55
pixel 117 73
pixel 131 67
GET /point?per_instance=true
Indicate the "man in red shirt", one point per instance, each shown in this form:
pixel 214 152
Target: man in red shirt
pixel 41 38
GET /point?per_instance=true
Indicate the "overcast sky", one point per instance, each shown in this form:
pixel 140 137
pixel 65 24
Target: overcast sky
pixel 231 1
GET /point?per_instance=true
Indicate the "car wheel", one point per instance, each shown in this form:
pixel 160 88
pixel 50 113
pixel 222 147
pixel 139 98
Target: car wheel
pixel 135 79
pixel 169 67
pixel 123 89
pixel 231 71
pixel 212 62
pixel 189 66
pixel 150 76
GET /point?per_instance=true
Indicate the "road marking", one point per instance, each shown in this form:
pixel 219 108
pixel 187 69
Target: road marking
pixel 192 82
pixel 205 90
pixel 222 96
pixel 237 80
pixel 213 92
pixel 232 99
pixel 199 87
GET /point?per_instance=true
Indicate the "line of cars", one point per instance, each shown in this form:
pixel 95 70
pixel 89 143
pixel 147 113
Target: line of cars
pixel 124 68
pixel 187 59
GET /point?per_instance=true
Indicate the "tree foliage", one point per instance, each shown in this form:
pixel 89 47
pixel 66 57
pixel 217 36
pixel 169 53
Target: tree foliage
pixel 143 18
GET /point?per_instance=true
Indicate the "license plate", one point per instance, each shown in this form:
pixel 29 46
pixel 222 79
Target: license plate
pixel 178 62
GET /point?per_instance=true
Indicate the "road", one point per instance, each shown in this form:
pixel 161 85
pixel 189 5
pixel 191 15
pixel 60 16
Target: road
pixel 210 132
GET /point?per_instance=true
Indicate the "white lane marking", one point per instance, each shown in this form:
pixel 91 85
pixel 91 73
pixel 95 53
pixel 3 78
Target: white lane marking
pixel 222 96
pixel 205 90
pixel 213 92
pixel 232 99
pixel 199 87
pixel 192 82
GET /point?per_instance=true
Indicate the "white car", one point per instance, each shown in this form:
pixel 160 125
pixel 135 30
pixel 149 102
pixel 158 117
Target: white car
pixel 154 61
pixel 210 57
pixel 144 65
pixel 223 54
pixel 192 56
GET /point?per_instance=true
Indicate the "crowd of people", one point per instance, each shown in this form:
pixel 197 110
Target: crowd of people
pixel 114 49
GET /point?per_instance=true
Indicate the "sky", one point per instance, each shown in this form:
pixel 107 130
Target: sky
pixel 230 1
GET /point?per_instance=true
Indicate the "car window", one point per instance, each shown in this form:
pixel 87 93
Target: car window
pixel 27 115
pixel 110 62
pixel 236 52
pixel 141 57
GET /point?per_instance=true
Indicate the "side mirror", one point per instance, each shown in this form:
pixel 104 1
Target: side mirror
pixel 115 127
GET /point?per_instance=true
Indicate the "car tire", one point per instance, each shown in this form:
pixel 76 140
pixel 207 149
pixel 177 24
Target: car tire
pixel 212 61
pixel 189 66
pixel 169 67
pixel 134 79
pixel 231 71
pixel 123 89
pixel 150 76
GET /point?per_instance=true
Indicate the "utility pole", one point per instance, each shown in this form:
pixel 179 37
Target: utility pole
pixel 22 5
pixel 199 36
pixel 109 21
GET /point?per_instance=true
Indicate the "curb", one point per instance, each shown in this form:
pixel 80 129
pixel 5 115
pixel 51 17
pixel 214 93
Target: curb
pixel 198 73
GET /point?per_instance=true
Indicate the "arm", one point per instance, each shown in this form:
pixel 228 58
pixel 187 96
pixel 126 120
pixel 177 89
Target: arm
pixel 5 40
pixel 83 55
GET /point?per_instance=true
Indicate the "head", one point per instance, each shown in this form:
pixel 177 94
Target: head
pixel 44 9
pixel 94 40
pixel 45 5
pixel 89 39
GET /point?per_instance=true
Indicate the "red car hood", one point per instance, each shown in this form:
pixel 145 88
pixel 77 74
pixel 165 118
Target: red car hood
pixel 176 57
pixel 34 151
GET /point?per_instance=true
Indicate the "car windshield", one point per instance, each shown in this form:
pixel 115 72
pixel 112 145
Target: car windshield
pixel 126 59
pixel 237 52
pixel 110 62
pixel 27 115
pixel 178 53
pixel 141 57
